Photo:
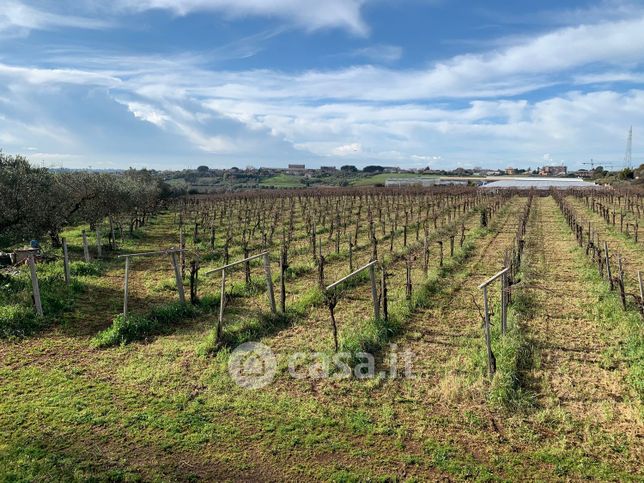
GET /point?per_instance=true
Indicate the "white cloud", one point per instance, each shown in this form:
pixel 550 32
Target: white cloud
pixel 378 53
pixel 35 75
pixel 311 15
pixel 347 149
pixel 146 113
pixel 21 18
pixel 368 112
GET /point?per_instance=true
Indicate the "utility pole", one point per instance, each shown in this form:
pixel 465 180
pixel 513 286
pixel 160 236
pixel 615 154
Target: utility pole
pixel 628 157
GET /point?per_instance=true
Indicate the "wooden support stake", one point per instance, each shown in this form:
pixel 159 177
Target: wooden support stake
pixel 182 246
pixel 504 305
pixel 283 267
pixel 222 301
pixel 125 285
pixel 608 271
pixel 374 292
pixel 99 249
pixel 383 293
pixel 491 361
pixel 34 284
pixel 85 247
pixel 425 255
pixel 269 282
pixel 68 277
pixel 622 293
pixel 177 275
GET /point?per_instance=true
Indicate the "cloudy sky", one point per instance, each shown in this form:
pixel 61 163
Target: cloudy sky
pixel 179 83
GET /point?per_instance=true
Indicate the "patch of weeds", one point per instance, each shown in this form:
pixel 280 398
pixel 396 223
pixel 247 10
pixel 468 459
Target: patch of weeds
pixel 168 284
pixel 261 325
pixel 18 321
pixel 125 329
pixel 608 312
pixel 451 460
pixel 87 269
pixel 17 314
pixel 513 359
pixel 573 462
pixel 371 335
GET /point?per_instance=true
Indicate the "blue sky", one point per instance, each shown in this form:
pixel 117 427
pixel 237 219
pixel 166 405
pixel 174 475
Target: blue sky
pixel 445 83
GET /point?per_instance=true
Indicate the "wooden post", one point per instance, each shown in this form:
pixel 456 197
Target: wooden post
pixel 608 271
pixel 283 267
pixel 222 301
pixel 99 249
pixel 408 287
pixel 182 245
pixel 383 292
pixel 621 282
pixel 177 275
pixel 269 282
pixel 34 284
pixel 374 292
pixel 504 305
pixel 125 285
pixel 194 280
pixel 66 263
pixel 331 305
pixel 85 247
pixel 491 362
pixel 425 255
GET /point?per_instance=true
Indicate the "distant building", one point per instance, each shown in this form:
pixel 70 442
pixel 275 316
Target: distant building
pixel 296 168
pixel 510 171
pixel 553 171
pixel 583 173
pixel 328 169
pixel 390 169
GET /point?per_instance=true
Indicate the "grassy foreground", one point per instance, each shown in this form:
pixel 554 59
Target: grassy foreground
pixel 147 406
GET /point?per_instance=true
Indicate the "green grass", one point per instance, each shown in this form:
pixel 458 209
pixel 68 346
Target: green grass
pixel 382 177
pixel 284 181
pixel 608 312
pixel 19 321
pixel 371 335
pixel 17 314
pixel 449 459
pixel 245 329
pixel 93 269
pixel 155 412
pixel 125 329
pixel 514 357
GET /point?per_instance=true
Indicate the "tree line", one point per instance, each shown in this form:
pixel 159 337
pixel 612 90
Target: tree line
pixel 36 202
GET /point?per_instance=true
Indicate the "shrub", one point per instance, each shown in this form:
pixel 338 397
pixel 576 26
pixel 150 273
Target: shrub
pixel 18 321
pixel 124 329
pixel 86 268
pixel 136 327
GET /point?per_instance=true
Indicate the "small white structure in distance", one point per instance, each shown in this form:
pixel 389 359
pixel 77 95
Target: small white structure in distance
pixel 424 182
pixel 539 183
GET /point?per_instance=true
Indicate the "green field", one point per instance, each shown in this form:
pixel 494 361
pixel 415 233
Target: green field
pixel 284 181
pixel 382 177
